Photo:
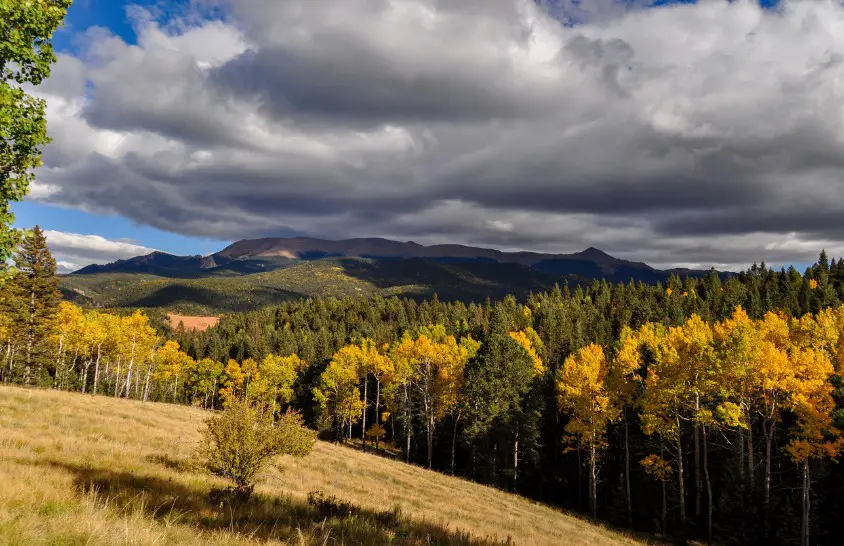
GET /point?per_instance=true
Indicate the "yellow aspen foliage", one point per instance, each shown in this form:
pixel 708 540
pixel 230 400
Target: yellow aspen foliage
pixel 273 382
pixel 530 342
pixel 583 395
pixel 171 364
pixel 338 393
pixel 657 468
pixel 232 382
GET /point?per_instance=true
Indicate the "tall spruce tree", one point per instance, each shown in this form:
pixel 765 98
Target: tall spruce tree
pixel 35 286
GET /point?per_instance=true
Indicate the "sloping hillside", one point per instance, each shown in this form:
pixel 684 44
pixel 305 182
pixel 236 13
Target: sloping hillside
pixel 473 281
pixel 79 469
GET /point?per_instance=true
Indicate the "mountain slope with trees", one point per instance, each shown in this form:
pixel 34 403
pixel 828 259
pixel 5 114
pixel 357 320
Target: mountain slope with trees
pixel 253 273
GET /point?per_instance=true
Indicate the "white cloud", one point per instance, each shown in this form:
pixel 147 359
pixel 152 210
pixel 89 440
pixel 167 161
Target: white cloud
pixel 698 134
pixel 73 250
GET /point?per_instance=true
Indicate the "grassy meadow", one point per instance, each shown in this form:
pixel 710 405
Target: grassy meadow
pixel 80 469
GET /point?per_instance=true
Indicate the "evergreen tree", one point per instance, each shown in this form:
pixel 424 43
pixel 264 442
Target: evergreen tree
pixel 35 287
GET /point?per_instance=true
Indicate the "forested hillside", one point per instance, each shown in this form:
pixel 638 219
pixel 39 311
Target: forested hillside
pixel 473 281
pixel 697 408
pixel 250 274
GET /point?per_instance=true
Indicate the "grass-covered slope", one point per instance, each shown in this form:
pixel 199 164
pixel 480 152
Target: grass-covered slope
pixel 339 277
pixel 79 469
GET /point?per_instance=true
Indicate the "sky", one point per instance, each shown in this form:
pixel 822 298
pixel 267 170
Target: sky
pixel 690 134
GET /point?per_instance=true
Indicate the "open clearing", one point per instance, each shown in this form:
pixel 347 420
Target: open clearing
pixel 81 469
pixel 192 322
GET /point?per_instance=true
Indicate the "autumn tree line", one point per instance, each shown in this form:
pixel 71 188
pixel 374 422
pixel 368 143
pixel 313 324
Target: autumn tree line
pixel 701 408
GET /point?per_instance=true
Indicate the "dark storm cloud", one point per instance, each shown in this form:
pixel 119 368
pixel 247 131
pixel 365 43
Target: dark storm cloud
pixel 704 134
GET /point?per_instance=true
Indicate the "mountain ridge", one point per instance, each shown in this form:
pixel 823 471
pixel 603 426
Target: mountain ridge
pixel 269 253
pixel 258 272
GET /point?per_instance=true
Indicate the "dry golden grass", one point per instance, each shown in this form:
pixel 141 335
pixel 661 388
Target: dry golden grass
pixel 192 322
pixel 78 469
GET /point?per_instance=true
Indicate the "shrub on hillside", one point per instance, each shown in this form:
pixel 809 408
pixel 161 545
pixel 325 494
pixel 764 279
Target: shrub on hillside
pixel 242 440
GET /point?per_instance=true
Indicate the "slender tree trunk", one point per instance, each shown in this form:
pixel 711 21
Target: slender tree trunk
pixel 30 339
pixel 430 440
pixel 363 417
pixel 146 384
pixel 681 482
pixel 377 408
pixel 516 458
pixel 709 507
pixel 579 480
pixel 807 506
pixel 85 375
pixel 117 378
pixel 408 426
pixel 8 376
pixel 751 463
pixel 131 364
pixel 627 473
pixel 495 463
pixel 454 441
pixel 768 430
pixel 741 468
pixel 97 369
pixel 698 476
pixel 58 361
pixel 593 480
pixel 664 511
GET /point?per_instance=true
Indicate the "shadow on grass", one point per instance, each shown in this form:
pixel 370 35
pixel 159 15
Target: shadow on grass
pixel 321 520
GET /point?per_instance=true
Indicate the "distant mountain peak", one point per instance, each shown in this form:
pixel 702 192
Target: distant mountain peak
pixel 597 254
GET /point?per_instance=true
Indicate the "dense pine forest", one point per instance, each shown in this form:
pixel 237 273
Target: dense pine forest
pixel 696 409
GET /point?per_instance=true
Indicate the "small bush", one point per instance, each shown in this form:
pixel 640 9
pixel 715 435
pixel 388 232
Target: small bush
pixel 239 442
pixel 329 506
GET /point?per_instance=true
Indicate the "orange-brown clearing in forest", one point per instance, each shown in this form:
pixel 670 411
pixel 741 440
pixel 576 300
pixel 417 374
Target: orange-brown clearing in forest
pixel 192 323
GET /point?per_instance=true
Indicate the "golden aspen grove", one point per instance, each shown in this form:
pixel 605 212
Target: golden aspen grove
pixel 659 408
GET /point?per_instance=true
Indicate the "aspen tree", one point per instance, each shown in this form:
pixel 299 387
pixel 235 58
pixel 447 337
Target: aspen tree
pixel 584 396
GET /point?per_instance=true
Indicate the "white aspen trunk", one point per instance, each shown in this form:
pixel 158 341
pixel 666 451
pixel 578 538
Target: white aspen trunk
pixel 681 480
pixel 627 473
pixel 58 360
pixel 751 464
pixel 8 376
pixel 698 476
pixel 664 511
pixel 131 364
pixel 807 506
pixel 66 369
pixel 454 441
pixel 768 430
pixel 593 480
pixel 709 507
pixel 117 378
pixel 146 383
pixel 408 426
pixel 30 339
pixel 97 369
pixel 85 375
pixel 363 417
pixel 377 407
pixel 516 458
